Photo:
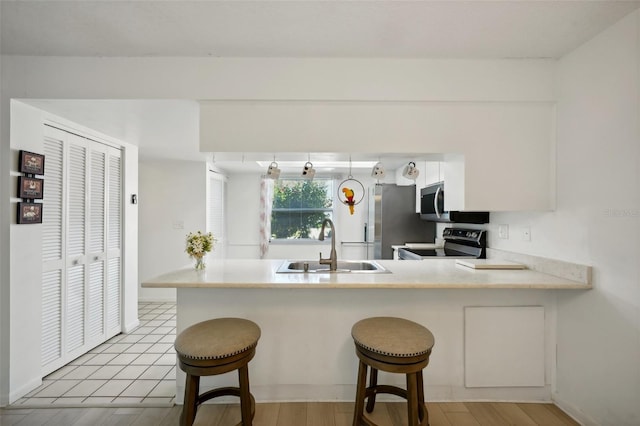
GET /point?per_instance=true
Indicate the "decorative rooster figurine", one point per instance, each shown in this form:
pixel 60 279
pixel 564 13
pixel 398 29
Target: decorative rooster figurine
pixel 349 194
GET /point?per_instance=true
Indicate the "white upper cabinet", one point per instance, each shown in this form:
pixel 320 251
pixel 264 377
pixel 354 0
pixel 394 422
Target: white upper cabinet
pixel 433 172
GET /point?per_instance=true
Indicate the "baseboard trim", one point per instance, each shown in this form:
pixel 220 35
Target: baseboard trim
pixel 574 412
pixel 24 390
pixel 128 328
pixel 346 392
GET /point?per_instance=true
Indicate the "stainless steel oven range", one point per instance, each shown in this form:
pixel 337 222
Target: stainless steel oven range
pixel 458 243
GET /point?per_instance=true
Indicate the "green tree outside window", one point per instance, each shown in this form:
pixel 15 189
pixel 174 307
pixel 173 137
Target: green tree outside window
pixel 299 207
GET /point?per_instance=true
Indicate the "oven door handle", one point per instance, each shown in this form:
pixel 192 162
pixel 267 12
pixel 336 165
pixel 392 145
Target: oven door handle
pixel 435 202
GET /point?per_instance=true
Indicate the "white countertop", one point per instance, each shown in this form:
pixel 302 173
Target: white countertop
pixel 432 273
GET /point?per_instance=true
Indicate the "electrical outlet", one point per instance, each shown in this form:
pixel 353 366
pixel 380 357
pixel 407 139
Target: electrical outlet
pixel 178 224
pixel 526 233
pixel 503 232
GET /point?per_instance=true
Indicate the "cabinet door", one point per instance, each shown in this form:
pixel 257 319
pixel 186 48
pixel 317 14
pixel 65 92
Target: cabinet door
pixel 433 171
pixel 504 346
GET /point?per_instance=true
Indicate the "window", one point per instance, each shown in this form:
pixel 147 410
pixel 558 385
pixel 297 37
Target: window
pixel 299 207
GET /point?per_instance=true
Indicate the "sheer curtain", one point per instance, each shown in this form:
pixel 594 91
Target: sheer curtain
pixel 266 202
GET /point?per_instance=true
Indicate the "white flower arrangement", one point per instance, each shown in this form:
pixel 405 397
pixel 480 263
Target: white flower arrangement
pixel 199 244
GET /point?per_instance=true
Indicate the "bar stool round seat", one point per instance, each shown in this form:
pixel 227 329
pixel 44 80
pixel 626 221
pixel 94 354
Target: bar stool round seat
pixel 215 347
pixel 394 345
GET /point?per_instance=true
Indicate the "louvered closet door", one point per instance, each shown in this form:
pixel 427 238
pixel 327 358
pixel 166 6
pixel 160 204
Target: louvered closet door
pixel 53 264
pixel 113 280
pixel 104 243
pixel 81 246
pixel 76 242
pixel 97 225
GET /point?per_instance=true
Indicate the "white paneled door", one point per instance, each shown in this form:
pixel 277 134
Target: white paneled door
pixel 82 239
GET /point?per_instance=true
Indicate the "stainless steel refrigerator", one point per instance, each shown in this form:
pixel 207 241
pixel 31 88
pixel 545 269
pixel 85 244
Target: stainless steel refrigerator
pixel 392 220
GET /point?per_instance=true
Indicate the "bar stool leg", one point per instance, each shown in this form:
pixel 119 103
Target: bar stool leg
pixel 245 396
pixel 191 391
pixel 412 399
pixel 422 406
pixel 373 381
pixel 360 393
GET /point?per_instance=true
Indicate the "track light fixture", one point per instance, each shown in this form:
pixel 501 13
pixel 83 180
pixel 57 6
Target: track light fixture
pixel 273 172
pixel 308 172
pixel 378 171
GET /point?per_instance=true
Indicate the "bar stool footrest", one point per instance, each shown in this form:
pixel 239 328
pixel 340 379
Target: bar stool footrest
pixel 226 391
pixel 378 389
pixel 372 391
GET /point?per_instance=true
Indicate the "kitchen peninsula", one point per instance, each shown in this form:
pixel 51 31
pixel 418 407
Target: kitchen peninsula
pixel 306 352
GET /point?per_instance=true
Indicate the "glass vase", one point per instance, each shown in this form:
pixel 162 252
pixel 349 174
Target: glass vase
pixel 200 265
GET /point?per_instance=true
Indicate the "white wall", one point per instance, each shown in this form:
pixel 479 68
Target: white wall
pixel 27 132
pixel 130 239
pixel 596 223
pixel 172 203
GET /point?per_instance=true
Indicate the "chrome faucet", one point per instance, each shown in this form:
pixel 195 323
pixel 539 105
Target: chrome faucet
pixel 332 261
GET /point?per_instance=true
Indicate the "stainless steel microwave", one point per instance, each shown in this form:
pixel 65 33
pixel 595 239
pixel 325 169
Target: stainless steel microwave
pixel 432 208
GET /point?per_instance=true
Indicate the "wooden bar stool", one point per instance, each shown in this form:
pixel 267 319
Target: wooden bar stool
pixel 215 347
pixel 394 345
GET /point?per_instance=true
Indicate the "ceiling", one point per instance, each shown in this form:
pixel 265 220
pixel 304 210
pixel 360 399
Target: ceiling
pixel 268 28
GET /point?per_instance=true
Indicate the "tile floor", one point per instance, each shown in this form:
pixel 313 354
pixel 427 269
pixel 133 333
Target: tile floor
pixel 129 369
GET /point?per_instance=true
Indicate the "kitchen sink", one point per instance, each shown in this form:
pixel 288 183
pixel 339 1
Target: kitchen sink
pixel 314 267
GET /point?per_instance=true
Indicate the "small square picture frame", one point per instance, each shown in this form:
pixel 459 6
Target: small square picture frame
pixel 30 188
pixel 29 213
pixel 31 163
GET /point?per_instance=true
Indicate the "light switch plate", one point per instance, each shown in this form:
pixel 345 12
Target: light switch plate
pixel 503 232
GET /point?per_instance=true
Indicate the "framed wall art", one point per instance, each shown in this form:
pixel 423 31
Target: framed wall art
pixel 31 163
pixel 30 188
pixel 29 213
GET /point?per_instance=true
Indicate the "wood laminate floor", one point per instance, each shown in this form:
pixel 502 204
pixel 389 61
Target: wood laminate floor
pixel 294 414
